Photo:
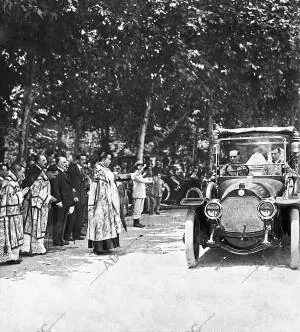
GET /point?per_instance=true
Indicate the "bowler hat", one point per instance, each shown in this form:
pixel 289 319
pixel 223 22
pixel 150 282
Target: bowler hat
pixel 52 168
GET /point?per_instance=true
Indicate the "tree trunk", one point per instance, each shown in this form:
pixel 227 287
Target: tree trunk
pixel 3 131
pixel 78 132
pixel 143 130
pixel 59 138
pixel 211 139
pixel 195 145
pixel 295 110
pixel 28 100
pixel 105 137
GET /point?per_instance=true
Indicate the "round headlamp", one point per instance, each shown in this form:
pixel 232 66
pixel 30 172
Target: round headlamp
pixel 213 210
pixel 266 209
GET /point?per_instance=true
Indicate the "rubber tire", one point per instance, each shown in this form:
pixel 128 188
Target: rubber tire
pixel 166 193
pixel 295 258
pixel 192 238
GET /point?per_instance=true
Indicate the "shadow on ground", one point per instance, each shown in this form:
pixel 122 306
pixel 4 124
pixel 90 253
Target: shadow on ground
pixel 162 235
pixel 271 258
pixel 57 262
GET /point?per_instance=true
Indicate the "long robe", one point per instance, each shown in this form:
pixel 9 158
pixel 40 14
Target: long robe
pixel 104 216
pixel 11 219
pixel 36 215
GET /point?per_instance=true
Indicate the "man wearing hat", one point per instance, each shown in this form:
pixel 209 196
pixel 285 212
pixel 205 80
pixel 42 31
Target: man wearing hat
pixel 139 193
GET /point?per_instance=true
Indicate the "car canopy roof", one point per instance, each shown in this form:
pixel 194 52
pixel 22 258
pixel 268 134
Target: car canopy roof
pixel 223 132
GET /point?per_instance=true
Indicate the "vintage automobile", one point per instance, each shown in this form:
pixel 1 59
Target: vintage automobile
pixel 252 203
pixel 178 188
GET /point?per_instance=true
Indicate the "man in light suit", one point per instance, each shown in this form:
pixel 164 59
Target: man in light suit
pixel 139 193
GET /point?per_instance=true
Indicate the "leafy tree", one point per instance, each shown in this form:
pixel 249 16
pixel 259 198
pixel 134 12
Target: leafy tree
pixel 128 69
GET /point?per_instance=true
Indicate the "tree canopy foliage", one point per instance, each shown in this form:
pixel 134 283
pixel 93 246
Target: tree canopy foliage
pixel 127 69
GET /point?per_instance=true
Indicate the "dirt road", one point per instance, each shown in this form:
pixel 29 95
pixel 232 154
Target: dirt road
pixel 145 286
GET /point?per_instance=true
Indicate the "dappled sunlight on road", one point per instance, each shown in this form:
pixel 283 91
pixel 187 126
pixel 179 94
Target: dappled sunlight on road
pixel 148 277
pixel 162 234
pixel 219 258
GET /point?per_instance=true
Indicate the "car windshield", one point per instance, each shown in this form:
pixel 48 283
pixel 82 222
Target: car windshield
pixel 257 153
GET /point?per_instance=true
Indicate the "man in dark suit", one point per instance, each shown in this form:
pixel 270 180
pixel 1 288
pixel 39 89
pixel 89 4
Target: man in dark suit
pixel 75 223
pixel 158 168
pixel 34 170
pixel 62 190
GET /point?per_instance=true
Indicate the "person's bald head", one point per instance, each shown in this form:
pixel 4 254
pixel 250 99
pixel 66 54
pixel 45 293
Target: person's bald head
pixel 234 156
pixel 41 160
pixel 62 162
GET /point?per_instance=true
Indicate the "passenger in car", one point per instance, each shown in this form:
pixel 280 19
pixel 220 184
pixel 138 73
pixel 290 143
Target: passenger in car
pixel 278 163
pixel 257 162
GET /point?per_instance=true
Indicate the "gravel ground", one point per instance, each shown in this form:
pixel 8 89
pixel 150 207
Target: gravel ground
pixel 145 286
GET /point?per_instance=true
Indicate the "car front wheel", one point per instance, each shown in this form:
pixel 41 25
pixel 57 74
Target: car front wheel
pixel 192 238
pixel 294 215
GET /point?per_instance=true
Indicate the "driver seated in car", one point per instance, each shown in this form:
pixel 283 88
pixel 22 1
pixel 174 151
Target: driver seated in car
pixel 232 166
pixel 277 164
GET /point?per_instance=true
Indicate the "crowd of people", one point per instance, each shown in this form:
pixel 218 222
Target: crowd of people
pixel 71 201
pixel 77 200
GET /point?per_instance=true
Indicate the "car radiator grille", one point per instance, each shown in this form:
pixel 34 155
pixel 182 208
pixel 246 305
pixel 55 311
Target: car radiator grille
pixel 238 211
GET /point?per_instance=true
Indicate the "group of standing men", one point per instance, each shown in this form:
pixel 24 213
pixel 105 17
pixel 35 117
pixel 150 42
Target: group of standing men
pixel 70 188
pixel 27 194
pixel 31 197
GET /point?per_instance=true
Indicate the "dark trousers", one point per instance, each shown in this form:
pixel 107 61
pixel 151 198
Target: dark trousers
pixel 84 224
pixel 59 223
pixel 49 230
pixel 147 204
pixel 74 222
pixel 155 204
pixel 124 203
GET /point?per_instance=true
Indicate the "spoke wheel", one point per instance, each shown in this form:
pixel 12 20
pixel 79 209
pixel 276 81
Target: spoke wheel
pixel 294 214
pixel 166 193
pixel 192 238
